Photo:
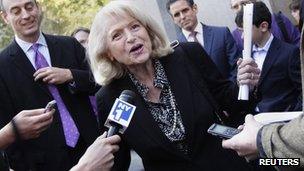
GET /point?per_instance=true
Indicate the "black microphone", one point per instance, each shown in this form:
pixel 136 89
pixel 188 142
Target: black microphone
pixel 121 113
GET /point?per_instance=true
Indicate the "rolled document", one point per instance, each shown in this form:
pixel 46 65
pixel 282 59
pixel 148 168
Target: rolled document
pixel 247 27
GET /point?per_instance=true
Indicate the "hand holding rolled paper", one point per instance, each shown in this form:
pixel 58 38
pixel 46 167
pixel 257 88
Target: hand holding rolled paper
pixel 248 73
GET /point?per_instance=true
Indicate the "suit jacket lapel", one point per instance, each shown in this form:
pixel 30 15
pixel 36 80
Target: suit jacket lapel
pixel 208 38
pixel 55 52
pixel 181 37
pixel 20 59
pixel 271 56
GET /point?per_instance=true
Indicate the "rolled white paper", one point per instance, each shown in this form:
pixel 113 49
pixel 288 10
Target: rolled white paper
pixel 247 27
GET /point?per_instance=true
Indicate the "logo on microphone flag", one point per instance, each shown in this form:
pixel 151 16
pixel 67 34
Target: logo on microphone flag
pixel 121 113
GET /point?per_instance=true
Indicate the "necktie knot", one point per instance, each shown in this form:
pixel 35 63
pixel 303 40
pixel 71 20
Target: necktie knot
pixel 40 61
pixel 193 35
pixel 35 46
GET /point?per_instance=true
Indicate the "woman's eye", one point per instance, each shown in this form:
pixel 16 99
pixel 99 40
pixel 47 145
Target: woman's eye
pixel 116 36
pixel 135 26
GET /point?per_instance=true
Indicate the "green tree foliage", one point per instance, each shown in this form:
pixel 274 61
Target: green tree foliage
pixel 5 34
pixel 60 17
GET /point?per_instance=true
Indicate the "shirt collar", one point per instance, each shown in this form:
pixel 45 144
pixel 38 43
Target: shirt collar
pixel 25 46
pixel 266 47
pixel 198 29
pixel 160 79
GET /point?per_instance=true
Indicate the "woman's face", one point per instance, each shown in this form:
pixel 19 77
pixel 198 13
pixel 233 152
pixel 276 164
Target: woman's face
pixel 128 41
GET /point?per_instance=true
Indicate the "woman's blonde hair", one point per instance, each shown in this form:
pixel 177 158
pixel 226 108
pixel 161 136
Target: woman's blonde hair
pixel 103 68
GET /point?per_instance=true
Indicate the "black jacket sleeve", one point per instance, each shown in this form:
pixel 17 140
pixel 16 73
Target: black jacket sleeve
pixel 82 76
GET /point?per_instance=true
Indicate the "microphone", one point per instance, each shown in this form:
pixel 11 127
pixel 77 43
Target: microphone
pixel 121 113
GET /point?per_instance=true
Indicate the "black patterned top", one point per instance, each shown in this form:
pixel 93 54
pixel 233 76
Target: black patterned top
pixel 165 112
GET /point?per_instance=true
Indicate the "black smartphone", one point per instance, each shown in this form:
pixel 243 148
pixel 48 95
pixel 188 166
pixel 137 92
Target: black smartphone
pixel 51 105
pixel 222 131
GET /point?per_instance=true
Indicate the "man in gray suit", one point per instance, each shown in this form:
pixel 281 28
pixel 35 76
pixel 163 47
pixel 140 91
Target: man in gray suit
pixel 277 140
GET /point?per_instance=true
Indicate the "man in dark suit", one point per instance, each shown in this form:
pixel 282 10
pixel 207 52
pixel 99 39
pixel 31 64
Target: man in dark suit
pixel 279 62
pixel 217 41
pixel 35 69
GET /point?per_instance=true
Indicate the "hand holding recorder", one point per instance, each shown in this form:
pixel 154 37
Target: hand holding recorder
pixel 222 131
pixel 30 123
pixel 27 124
pixel 244 143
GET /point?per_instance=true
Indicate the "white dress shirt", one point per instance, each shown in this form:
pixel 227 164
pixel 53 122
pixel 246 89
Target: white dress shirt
pixel 29 52
pixel 199 30
pixel 259 56
pixel 259 53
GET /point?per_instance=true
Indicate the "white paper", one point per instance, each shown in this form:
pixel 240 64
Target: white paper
pixel 271 117
pixel 247 27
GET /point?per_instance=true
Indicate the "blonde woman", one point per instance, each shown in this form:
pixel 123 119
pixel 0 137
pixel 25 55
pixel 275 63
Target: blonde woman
pixel 128 50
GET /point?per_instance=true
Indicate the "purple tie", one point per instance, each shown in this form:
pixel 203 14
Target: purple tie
pixel 70 130
pixel 93 104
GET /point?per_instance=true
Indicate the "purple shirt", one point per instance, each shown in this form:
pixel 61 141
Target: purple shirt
pixel 292 31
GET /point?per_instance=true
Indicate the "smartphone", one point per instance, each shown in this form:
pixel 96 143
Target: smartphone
pixel 222 131
pixel 51 105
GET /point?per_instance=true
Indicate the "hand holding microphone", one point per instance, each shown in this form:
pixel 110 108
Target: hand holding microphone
pixel 99 156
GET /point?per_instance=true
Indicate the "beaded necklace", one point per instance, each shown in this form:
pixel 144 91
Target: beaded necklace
pixel 172 103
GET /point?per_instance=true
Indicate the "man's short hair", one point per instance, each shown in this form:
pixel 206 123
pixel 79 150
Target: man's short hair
pixel 295 5
pixel 189 2
pixel 2 6
pixel 80 29
pixel 260 14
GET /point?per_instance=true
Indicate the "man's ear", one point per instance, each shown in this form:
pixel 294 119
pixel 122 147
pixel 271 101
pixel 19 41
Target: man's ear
pixel 39 6
pixel 194 8
pixel 4 17
pixel 264 26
